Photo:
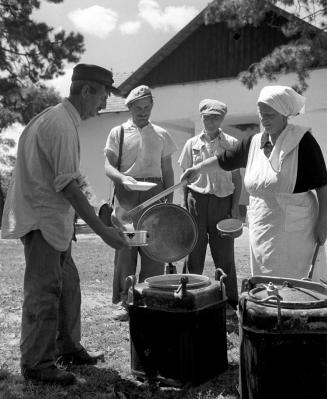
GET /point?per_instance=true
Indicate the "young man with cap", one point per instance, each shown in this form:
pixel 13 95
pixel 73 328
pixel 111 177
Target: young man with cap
pixel 146 156
pixel 40 207
pixel 212 197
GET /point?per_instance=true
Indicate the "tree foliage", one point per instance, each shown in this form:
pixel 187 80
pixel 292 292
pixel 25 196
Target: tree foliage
pixel 304 26
pixel 30 53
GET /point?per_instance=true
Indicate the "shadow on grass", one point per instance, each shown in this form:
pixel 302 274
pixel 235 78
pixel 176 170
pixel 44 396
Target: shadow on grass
pixel 106 383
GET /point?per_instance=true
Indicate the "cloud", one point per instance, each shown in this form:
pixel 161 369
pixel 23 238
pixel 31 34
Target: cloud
pixel 95 20
pixel 170 18
pixel 130 27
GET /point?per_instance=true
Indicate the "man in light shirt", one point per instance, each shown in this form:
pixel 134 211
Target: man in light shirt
pixel 146 156
pixel 212 197
pixel 40 207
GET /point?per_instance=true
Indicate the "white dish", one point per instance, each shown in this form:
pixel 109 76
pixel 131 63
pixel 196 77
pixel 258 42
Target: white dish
pixel 140 185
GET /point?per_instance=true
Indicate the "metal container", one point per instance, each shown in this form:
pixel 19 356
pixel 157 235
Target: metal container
pixel 137 238
pixel 178 328
pixel 283 339
pixel 230 228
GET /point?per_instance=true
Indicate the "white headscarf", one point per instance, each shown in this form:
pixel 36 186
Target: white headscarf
pixel 282 99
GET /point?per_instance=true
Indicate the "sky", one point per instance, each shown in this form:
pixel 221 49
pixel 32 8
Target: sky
pixel 118 34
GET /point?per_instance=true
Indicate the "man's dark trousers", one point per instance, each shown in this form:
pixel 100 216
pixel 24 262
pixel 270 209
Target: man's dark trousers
pixel 51 319
pixel 208 210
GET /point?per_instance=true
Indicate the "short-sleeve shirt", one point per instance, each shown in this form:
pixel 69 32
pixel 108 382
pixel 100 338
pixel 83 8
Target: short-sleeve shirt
pixel 147 146
pixel 311 172
pixel 48 158
pixel 199 148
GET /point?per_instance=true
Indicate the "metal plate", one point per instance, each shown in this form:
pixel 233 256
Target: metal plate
pixel 172 232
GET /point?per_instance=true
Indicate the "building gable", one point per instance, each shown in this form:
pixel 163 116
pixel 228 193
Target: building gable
pixel 202 52
pixel 215 52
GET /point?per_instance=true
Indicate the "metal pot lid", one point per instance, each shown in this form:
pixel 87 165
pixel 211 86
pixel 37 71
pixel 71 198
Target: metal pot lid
pixel 172 281
pixel 172 232
pixel 291 293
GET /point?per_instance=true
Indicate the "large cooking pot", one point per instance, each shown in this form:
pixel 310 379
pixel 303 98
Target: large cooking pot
pixel 178 328
pixel 172 232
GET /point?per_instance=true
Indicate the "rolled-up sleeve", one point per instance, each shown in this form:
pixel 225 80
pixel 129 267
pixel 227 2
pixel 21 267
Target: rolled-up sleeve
pixel 185 159
pixel 112 143
pixel 62 151
pixel 169 146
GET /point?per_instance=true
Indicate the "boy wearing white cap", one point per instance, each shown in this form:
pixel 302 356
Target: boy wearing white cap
pixel 212 196
pixel 145 156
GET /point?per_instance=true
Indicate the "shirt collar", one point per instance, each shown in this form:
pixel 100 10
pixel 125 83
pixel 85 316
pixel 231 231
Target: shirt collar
pixel 204 136
pixel 131 124
pixel 264 140
pixel 72 111
pixel 202 139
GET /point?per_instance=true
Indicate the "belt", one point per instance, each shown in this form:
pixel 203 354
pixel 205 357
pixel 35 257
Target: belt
pixel 149 179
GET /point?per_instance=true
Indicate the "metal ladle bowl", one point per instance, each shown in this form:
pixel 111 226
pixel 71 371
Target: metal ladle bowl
pixel 172 232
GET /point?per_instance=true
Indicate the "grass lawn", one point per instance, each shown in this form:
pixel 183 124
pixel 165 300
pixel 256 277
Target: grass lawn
pixel 111 379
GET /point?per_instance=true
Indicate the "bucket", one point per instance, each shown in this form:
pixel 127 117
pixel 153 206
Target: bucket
pixel 177 326
pixel 283 339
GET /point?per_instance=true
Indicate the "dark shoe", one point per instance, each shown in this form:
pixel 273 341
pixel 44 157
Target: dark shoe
pixel 49 375
pixel 80 358
pixel 120 313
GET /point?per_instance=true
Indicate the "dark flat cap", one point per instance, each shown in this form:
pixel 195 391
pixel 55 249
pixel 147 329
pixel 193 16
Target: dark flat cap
pixel 94 73
pixel 212 107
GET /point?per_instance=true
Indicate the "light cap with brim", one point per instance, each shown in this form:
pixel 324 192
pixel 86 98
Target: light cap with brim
pixel 138 93
pixel 212 107
pixel 94 73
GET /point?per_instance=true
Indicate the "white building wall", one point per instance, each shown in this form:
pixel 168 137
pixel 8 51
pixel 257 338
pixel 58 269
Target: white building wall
pixel 93 136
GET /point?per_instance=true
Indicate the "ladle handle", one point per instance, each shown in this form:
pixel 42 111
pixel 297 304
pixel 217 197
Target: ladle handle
pixel 313 261
pixel 153 199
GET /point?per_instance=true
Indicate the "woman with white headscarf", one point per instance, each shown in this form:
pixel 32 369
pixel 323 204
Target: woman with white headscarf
pixel 283 164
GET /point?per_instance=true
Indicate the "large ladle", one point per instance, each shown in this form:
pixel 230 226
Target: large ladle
pixel 121 218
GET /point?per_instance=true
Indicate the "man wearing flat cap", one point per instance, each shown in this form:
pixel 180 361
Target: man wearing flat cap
pixel 212 197
pixel 40 208
pixel 145 156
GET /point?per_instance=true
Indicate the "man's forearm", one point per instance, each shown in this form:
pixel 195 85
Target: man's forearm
pixel 113 173
pixel 78 201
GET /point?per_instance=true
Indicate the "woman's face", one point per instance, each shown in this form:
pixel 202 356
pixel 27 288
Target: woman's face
pixel 272 121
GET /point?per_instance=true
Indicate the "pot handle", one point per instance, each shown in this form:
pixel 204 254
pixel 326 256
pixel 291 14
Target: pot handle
pixel 181 289
pixel 130 281
pixel 220 275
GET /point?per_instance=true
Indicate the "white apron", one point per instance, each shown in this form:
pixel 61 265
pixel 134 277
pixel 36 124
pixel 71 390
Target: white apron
pixel 281 224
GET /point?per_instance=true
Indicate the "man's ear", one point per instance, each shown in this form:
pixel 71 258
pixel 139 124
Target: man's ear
pixel 85 90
